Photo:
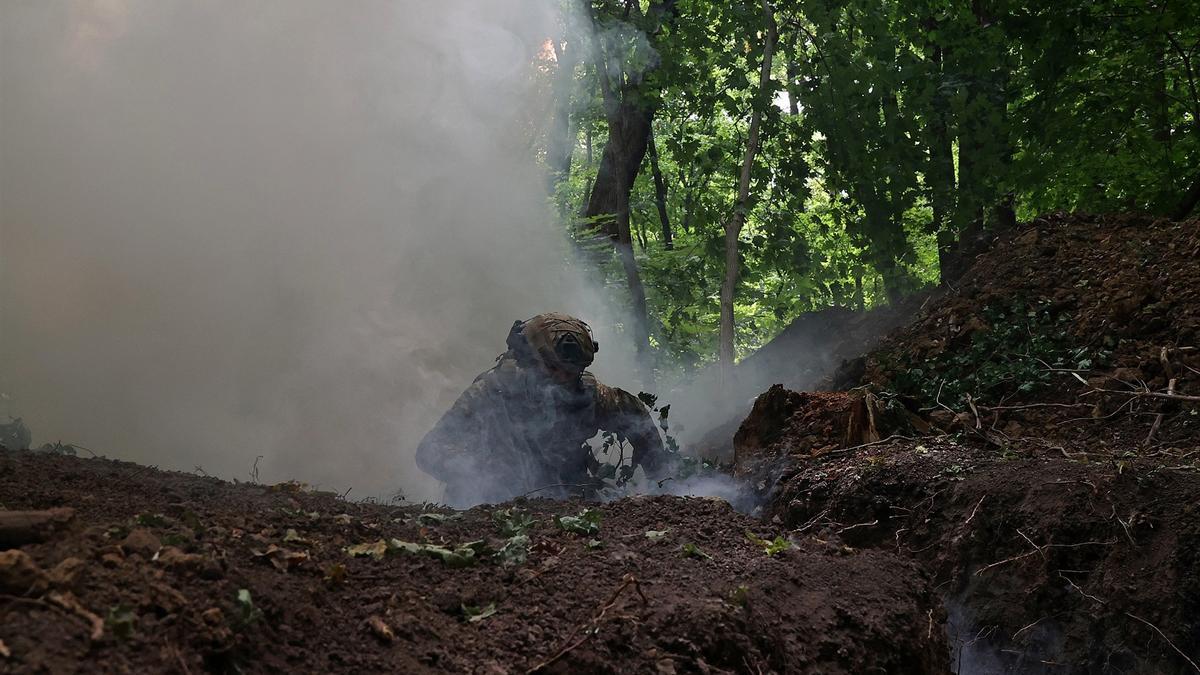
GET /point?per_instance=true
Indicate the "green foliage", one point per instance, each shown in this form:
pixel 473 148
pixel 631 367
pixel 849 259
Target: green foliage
pixel 587 523
pixel 690 550
pixel 515 551
pixel 121 622
pixel 476 614
pixel 512 522
pixel 245 613
pixel 913 123
pixel 1017 350
pixel 431 518
pixel 770 546
pixel 462 555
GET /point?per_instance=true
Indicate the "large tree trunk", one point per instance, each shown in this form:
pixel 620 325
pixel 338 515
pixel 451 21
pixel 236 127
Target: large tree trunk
pixel 660 195
pixel 733 226
pixel 629 119
pixel 628 132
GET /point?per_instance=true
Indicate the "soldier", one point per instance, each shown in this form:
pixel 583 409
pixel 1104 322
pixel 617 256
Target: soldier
pixel 524 424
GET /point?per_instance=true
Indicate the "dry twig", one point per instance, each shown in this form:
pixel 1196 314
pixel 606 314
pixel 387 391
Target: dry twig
pixel 593 624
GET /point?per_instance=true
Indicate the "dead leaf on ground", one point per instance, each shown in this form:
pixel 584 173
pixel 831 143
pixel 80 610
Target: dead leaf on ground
pixel 4 651
pixel 281 558
pixel 380 628
pixel 375 549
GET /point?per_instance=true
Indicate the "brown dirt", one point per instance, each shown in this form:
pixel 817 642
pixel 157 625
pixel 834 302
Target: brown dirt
pixel 1062 537
pixel 819 607
pixel 1093 549
pixel 1124 286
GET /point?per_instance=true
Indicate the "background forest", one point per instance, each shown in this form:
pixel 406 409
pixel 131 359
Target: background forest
pixel 729 165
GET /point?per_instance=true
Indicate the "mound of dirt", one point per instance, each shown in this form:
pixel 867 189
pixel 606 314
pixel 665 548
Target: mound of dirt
pixel 169 572
pixel 1071 328
pixel 1046 564
pixel 1054 495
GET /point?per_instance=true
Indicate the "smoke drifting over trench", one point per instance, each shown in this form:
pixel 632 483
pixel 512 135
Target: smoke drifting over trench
pixel 287 228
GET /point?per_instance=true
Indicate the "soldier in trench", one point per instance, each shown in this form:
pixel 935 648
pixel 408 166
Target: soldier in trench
pixel 524 424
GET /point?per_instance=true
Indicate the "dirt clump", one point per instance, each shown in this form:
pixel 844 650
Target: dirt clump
pixel 1052 493
pixel 193 574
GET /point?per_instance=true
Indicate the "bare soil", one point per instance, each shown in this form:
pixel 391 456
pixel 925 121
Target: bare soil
pixel 1060 523
pixel 160 558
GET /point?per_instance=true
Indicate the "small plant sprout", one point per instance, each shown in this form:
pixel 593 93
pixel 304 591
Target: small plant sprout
pixel 771 547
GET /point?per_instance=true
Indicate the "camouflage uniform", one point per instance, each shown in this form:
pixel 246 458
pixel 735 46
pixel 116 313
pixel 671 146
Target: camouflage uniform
pixel 525 423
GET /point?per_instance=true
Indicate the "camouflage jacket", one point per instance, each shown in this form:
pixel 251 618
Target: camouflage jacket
pixel 515 430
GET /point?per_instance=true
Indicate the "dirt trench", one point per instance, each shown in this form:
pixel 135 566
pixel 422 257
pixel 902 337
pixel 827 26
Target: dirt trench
pixel 190 574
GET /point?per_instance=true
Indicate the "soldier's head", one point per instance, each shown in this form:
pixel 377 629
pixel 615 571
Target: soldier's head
pixel 560 344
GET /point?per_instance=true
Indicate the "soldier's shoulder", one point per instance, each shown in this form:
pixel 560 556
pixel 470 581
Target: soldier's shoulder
pixel 615 397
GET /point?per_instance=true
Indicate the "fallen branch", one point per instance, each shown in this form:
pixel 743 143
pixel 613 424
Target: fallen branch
pixel 842 451
pixel 1159 417
pixel 1169 396
pixel 973 511
pixel 547 487
pixel 627 581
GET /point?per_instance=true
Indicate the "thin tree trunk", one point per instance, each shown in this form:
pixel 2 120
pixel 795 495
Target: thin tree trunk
pixel 941 174
pixel 793 72
pixel 560 145
pixel 660 195
pixel 733 226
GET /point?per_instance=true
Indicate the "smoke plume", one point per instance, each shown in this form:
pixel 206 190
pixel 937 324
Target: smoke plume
pixel 288 228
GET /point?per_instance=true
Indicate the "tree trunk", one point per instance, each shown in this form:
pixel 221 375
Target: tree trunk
pixel 560 144
pixel 628 131
pixel 941 174
pixel 793 72
pixel 733 226
pixel 660 195
pixel 629 120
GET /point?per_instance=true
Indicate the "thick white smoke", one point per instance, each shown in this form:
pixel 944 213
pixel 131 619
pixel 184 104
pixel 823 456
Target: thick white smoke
pixel 289 228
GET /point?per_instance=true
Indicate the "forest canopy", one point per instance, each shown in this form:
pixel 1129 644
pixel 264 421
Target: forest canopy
pixel 769 159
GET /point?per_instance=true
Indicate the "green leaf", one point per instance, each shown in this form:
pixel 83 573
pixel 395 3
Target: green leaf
pixel 512 522
pixel 586 523
pixel 477 614
pixel 690 550
pixel 770 547
pixel 515 551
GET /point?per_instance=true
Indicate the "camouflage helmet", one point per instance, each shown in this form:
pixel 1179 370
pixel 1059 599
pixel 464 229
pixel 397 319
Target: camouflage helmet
pixel 557 340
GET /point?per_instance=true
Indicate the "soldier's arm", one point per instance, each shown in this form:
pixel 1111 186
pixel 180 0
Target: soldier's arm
pixel 625 415
pixel 450 449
